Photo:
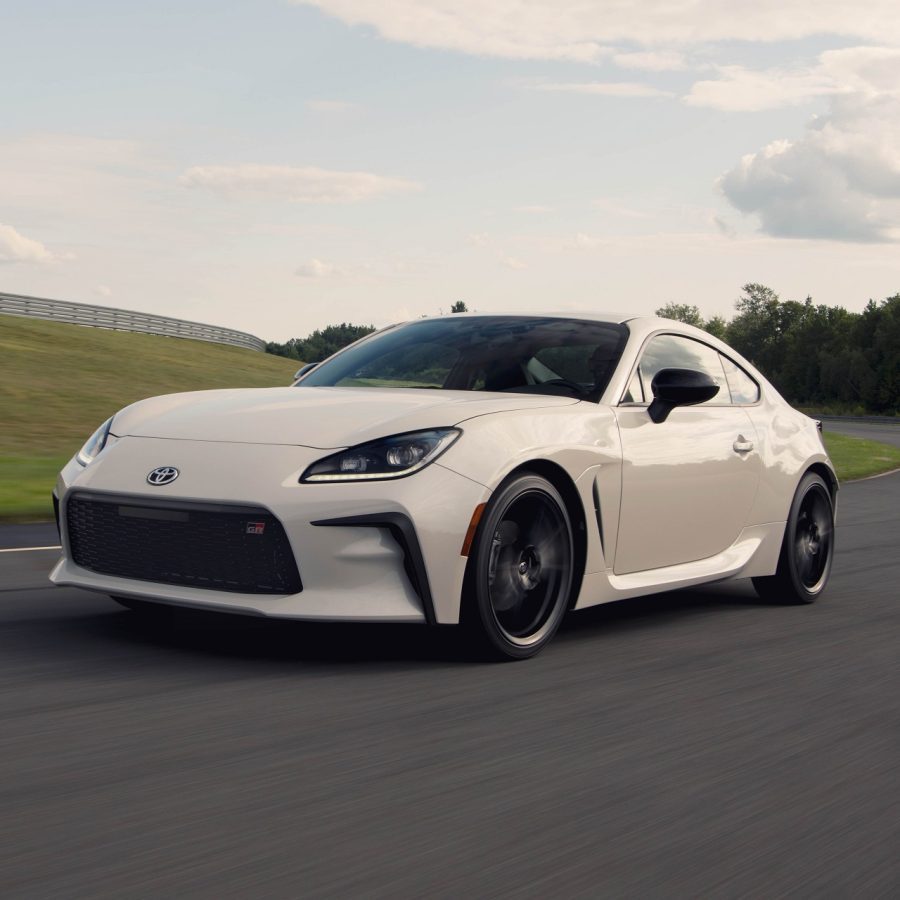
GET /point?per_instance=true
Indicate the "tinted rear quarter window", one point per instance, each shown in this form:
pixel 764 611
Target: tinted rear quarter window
pixel 743 388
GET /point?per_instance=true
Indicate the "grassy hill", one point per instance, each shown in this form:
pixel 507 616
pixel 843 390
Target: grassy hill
pixel 58 382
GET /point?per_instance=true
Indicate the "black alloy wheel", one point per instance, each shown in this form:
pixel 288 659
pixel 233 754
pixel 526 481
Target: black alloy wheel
pixel 521 569
pixel 808 547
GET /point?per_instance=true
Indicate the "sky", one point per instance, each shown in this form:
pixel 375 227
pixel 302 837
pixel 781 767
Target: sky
pixel 277 166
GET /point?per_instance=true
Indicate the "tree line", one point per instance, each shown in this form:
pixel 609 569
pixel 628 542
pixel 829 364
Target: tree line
pixel 321 343
pixel 324 341
pixel 816 355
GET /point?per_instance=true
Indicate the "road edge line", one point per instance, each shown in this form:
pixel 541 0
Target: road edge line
pixel 27 549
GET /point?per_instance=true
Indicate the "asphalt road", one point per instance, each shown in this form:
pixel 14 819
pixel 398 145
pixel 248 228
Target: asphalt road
pixel 886 432
pixel 692 744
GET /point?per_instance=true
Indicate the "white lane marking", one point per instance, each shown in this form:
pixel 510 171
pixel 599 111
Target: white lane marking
pixel 27 549
pixel 870 477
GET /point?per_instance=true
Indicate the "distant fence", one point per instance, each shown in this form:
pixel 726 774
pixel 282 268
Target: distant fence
pixel 124 320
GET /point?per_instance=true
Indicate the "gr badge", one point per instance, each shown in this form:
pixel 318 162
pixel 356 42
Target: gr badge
pixel 255 528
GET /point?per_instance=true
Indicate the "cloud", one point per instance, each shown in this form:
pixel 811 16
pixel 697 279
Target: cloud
pixel 743 90
pixel 607 89
pixel 512 29
pixel 868 71
pixel 360 271
pixel 841 179
pixel 805 189
pixel 585 32
pixel 15 247
pixel 584 241
pixel 306 184
pixel 103 290
pixel 330 106
pixel 533 209
pixel 478 239
pixel 315 268
pixel 511 262
pixel 652 60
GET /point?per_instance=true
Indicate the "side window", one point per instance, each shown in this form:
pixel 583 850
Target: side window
pixel 743 388
pixel 635 393
pixel 672 351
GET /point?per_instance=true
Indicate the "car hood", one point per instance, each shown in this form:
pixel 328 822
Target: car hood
pixel 319 417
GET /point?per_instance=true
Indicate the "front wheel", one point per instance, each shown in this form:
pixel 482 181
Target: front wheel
pixel 808 547
pixel 521 569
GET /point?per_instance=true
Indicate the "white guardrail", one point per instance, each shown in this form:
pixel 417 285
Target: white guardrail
pixel 123 320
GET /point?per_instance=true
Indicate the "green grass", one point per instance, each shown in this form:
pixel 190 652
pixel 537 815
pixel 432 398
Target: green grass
pixel 858 458
pixel 854 410
pixel 58 382
pixel 25 486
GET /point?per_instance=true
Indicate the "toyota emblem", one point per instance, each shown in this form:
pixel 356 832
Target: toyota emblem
pixel 163 475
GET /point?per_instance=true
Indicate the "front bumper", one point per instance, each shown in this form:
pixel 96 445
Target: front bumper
pixel 366 551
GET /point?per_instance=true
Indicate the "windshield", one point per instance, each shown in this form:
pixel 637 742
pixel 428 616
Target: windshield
pixel 518 354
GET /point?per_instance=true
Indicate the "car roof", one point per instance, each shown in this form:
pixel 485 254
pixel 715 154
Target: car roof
pixel 616 318
pixel 639 327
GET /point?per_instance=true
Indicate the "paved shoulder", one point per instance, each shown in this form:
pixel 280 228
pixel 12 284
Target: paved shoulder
pixel 885 432
pixel 37 534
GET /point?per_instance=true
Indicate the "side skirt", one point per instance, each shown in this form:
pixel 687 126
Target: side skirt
pixel 754 553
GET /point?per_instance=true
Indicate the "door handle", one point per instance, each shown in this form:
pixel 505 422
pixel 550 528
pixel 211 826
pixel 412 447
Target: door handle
pixel 742 445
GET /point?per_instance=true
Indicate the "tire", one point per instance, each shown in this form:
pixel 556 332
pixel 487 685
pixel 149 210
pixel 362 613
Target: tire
pixel 807 550
pixel 520 574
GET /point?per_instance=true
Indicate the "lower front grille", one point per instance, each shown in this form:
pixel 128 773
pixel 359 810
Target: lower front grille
pixel 221 548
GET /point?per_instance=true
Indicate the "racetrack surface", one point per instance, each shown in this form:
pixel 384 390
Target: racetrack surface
pixel 886 432
pixel 691 744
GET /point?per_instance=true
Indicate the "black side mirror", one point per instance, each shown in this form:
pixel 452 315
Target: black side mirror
pixel 303 370
pixel 679 387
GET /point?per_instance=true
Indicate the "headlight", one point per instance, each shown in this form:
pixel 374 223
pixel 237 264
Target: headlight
pixel 95 443
pixel 391 457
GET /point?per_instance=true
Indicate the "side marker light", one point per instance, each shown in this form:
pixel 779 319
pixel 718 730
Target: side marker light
pixel 473 527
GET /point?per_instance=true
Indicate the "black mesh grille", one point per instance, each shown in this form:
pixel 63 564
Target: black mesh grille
pixel 223 549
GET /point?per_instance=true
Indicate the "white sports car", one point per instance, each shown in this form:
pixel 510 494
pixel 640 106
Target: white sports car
pixel 492 471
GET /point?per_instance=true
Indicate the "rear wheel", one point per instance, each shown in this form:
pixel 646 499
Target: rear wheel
pixel 521 569
pixel 807 549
